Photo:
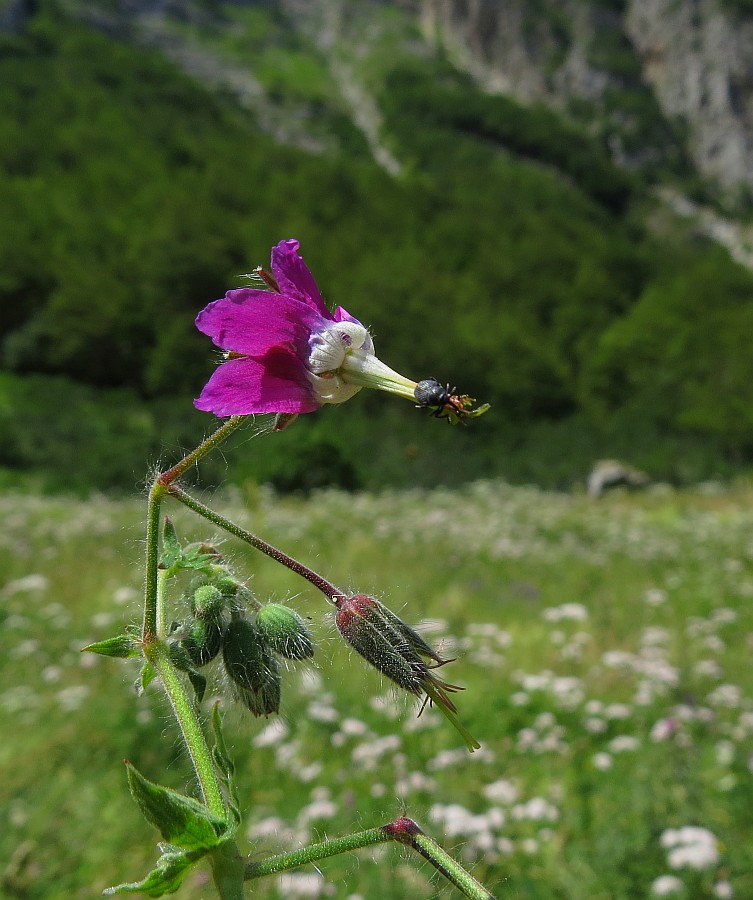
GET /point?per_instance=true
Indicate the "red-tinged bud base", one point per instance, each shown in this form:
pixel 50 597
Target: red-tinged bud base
pixel 402 830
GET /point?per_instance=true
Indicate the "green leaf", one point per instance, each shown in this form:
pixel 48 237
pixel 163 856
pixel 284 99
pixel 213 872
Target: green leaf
pixel 122 646
pixel 165 877
pixel 147 675
pixel 225 764
pixel 198 683
pixel 201 556
pixel 181 820
pixel 171 549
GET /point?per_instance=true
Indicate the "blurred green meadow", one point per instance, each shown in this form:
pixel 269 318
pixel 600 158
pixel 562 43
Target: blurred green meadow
pixel 604 644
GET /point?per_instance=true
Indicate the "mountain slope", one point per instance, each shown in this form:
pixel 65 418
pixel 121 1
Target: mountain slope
pixel 505 247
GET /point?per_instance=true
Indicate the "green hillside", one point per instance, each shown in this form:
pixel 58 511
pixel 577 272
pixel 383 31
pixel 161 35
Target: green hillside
pixel 510 257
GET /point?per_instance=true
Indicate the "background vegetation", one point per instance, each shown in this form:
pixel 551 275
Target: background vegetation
pixel 510 257
pixel 605 648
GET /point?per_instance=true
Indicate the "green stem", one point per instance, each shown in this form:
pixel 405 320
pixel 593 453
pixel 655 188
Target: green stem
pixel 403 830
pixel 162 579
pixel 299 568
pixel 452 870
pixel 158 655
pixel 190 459
pixel 149 628
pixel 159 488
pixel 155 619
pixel 285 861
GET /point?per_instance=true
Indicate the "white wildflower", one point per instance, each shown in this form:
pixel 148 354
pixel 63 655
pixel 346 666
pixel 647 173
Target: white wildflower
pixel 502 791
pixel 665 885
pixel 602 761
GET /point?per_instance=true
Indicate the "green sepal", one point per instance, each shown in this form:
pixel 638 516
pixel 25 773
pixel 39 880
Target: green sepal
pixel 165 877
pixel 204 640
pixel 247 659
pixel 203 557
pixel 123 646
pixel 146 676
pixel 225 765
pixel 181 820
pixel 181 659
pixel 174 557
pixel 171 549
pixel 198 683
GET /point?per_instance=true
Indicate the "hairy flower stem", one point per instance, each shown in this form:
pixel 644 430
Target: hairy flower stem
pixel 154 626
pixel 185 714
pixel 326 587
pixel 407 832
pixel 190 459
pixel 403 830
pixel 157 491
pixel 285 861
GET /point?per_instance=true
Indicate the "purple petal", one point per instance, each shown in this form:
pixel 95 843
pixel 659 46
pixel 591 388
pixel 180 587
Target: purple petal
pixel 295 279
pixel 251 322
pixel 342 315
pixel 240 387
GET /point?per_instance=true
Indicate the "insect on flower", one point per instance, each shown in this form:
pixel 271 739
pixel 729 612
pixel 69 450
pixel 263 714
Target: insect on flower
pixel 444 403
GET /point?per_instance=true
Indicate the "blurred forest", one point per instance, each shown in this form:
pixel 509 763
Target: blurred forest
pixel 510 257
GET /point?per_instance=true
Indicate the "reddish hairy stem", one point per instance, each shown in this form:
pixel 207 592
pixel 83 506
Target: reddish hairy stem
pixel 326 587
pixel 174 472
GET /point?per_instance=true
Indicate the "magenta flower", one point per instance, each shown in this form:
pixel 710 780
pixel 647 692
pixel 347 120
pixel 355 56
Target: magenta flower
pixel 285 351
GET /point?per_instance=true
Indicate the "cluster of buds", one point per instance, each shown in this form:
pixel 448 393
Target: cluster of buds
pixel 227 621
pixel 249 640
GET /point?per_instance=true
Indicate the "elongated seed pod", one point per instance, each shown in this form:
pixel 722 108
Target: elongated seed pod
pixel 361 622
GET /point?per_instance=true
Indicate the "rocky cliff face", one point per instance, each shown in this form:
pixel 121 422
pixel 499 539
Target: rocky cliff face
pixel 694 57
pixel 666 83
pixel 15 13
pixel 699 61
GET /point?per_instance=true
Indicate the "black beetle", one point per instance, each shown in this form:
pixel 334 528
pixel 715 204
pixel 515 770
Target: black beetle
pixel 443 402
pixel 431 393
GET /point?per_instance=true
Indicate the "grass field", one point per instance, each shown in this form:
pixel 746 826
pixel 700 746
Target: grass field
pixel 605 646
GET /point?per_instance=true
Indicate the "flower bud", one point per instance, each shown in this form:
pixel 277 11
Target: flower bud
pixel 207 602
pixel 237 595
pixel 227 585
pixel 284 631
pixel 204 639
pixel 248 661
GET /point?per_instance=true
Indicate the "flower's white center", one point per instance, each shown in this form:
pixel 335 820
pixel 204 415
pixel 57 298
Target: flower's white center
pixel 328 347
pixel 328 351
pixel 342 361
